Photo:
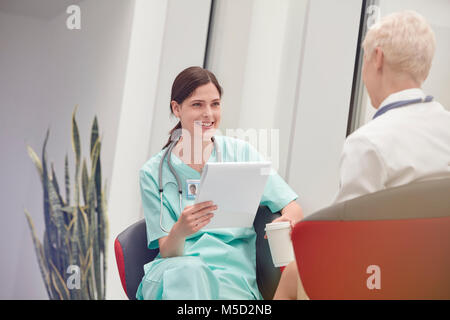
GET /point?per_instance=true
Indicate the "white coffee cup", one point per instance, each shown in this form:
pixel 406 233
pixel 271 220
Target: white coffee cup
pixel 280 243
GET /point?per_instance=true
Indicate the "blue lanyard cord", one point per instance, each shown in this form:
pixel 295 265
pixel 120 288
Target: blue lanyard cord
pixel 399 104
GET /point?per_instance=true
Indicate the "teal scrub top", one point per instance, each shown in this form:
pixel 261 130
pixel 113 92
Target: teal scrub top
pixel 230 252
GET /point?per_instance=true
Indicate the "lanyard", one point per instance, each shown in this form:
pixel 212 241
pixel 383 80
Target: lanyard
pixel 399 104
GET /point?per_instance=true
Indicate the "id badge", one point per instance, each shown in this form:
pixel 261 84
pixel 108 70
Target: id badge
pixel 192 188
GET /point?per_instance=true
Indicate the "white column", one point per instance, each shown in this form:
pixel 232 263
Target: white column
pixel 255 52
pixel 134 129
pixel 167 36
pixel 185 37
pixel 324 99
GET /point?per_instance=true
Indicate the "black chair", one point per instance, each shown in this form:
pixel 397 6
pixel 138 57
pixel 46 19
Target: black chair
pixel 132 254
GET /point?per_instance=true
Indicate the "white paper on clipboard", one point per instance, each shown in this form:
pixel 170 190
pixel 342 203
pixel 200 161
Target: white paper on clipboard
pixel 236 188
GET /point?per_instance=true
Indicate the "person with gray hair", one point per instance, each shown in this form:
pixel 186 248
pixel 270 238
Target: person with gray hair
pixel 408 139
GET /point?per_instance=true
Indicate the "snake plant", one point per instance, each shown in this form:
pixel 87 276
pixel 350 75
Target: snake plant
pixel 75 233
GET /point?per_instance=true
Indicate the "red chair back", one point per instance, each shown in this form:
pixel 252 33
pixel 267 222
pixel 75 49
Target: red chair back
pixel 393 244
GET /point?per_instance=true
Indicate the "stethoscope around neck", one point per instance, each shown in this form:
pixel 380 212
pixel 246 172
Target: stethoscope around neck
pixel 175 137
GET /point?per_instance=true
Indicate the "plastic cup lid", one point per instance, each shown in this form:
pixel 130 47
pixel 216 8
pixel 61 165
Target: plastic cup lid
pixel 277 225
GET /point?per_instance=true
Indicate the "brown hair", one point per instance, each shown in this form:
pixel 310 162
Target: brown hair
pixel 185 84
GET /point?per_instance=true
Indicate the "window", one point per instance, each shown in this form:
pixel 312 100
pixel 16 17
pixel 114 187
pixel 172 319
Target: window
pixel 437 13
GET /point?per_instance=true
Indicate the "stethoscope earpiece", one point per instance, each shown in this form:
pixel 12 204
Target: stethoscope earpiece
pixel 176 135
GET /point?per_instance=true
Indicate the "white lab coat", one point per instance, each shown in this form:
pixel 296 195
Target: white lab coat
pixel 403 145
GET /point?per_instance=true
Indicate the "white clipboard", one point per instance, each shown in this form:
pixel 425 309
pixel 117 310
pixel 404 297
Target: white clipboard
pixel 236 188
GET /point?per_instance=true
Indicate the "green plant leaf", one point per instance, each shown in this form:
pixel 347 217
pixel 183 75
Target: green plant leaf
pixel 94 218
pixel 34 157
pixel 94 133
pixel 73 237
pixel 104 229
pixel 45 183
pixel 49 224
pixel 49 258
pixel 87 271
pixel 76 137
pixel 85 240
pixel 99 248
pixel 59 284
pixel 74 234
pixel 57 217
pixel 76 145
pixel 40 255
pixel 54 181
pixel 75 257
pixel 67 180
pixel 84 182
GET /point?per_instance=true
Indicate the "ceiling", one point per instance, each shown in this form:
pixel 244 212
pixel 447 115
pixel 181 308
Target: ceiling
pixel 39 9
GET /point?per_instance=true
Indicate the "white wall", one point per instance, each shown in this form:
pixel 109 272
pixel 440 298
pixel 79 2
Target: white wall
pixel 46 70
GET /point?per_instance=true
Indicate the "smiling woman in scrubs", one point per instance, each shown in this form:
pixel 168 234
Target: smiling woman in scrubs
pixel 192 263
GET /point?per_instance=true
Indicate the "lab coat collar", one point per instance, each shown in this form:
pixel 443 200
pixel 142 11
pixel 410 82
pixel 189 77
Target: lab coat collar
pixel 408 94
